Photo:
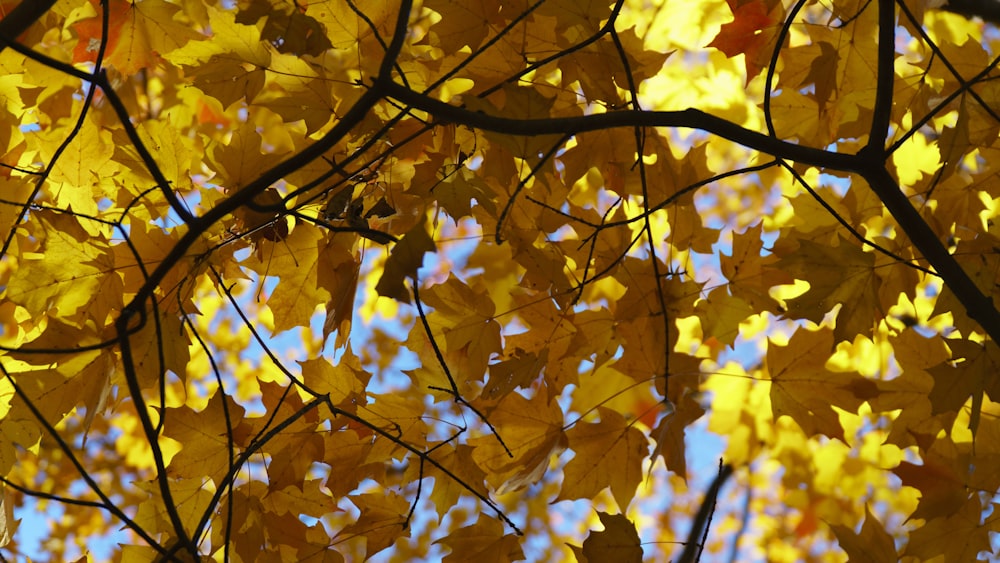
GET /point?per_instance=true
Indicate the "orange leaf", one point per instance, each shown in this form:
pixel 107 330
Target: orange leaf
pixel 745 34
pixel 88 31
pixel 138 34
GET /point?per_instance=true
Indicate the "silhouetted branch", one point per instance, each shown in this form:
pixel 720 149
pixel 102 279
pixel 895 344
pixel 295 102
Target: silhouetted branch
pixel 988 10
pixel 699 527
pixel 20 19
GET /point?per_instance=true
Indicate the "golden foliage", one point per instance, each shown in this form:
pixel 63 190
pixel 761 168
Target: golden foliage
pixel 329 281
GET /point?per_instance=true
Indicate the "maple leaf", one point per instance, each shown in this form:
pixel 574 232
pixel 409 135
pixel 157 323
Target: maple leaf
pixel 471 337
pixel 192 498
pixel 404 260
pixel 344 383
pixel 483 541
pixel 976 374
pixel 248 515
pixel 338 271
pixel 89 31
pixel 872 545
pixel 447 490
pixel 942 490
pixel 820 75
pixel 909 393
pixel 219 67
pixel 749 34
pixel 518 371
pixel 202 436
pixel 288 28
pixel 355 460
pixel 550 334
pixel 537 432
pixel 721 314
pixel 453 32
pixel 618 542
pixel 173 229
pixel 601 73
pixel 838 275
pixel 525 103
pixel 963 530
pixel 804 389
pixel 7 523
pixel 82 381
pixel 608 453
pixel 298 294
pixel 69 282
pixel 981 260
pixel 381 522
pixel 242 159
pixel 669 434
pixel 749 270
pixel 139 33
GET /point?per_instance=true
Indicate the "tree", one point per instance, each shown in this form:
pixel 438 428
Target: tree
pixel 316 281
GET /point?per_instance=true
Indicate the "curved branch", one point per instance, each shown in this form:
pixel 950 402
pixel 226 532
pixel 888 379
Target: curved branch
pixel 688 119
pixel 869 162
pixel 21 18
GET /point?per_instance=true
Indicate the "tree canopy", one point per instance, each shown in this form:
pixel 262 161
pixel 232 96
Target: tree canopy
pixel 288 280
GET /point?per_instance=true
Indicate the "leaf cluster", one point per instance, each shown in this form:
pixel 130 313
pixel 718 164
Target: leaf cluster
pixel 301 281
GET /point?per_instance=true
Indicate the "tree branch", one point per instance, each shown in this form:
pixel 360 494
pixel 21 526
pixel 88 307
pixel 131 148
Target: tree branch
pixel 21 18
pixel 688 118
pixel 988 10
pixel 693 545
pixel 869 163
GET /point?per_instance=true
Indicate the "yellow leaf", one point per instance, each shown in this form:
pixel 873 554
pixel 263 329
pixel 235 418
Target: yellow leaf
pixel 842 274
pixel 295 260
pixel 345 383
pixel 872 545
pixel 670 433
pixel 448 490
pixel 533 431
pixel 75 273
pixel 381 521
pixel 202 436
pixel 483 542
pixel 618 542
pixel 971 372
pixel 338 271
pixel 242 159
pixel 8 526
pixel 721 315
pixel 915 159
pixel 961 536
pixel 309 499
pixel 747 269
pixel 802 387
pixel 609 453
pixel 404 260
pixel 191 498
pixel 153 29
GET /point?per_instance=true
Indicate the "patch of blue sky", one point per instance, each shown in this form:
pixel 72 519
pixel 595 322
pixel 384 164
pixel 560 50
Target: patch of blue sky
pixel 36 520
